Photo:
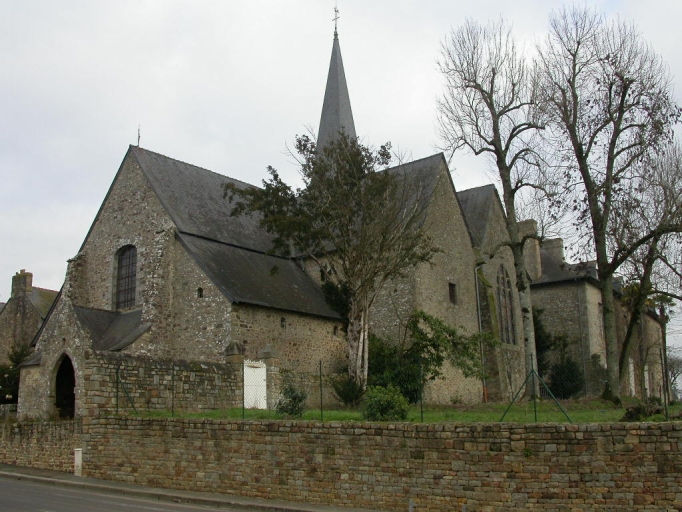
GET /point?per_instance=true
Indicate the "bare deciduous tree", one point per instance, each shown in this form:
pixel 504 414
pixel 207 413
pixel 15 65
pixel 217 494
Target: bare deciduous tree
pixel 488 107
pixel 650 204
pixel 607 96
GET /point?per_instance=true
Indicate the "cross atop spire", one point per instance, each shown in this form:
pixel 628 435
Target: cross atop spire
pixel 335 19
pixel 336 115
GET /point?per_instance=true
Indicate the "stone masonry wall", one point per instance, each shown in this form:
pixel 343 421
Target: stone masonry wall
pixel 46 445
pixel 123 383
pixel 486 467
pixel 299 341
pixel 505 364
pixel 19 322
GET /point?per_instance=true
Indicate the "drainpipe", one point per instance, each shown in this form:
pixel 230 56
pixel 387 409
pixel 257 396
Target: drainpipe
pixel 480 331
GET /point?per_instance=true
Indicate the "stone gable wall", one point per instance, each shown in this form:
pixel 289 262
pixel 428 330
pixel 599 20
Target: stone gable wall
pixel 193 326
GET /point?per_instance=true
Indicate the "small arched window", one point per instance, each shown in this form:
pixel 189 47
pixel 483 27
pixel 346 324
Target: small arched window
pixel 505 307
pixel 126 277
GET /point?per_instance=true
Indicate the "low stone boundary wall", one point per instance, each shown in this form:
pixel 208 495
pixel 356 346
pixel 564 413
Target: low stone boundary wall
pixel 44 445
pixel 489 467
pixel 123 383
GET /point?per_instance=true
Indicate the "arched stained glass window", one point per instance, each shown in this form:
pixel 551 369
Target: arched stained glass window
pixel 126 277
pixel 505 307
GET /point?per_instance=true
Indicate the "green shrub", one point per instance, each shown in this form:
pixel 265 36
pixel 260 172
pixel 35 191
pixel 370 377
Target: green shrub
pixel 567 379
pixel 291 402
pixel 346 390
pixel 385 404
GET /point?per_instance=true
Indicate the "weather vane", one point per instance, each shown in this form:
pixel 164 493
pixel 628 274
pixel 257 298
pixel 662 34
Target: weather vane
pixel 336 17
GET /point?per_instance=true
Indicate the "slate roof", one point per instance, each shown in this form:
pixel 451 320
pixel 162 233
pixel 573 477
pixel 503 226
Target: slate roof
pixel 111 330
pixel 556 271
pixel 419 177
pixel 477 204
pixel 260 279
pixel 336 111
pixel 233 251
pixel 193 197
pixel 42 300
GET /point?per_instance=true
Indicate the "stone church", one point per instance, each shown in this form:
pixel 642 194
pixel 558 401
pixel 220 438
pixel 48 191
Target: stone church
pixel 170 300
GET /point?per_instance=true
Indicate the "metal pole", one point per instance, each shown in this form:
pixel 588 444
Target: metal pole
pixel 664 373
pixel 321 403
pixel 535 399
pixel 117 367
pixel 172 389
pixel 421 391
pixel 243 394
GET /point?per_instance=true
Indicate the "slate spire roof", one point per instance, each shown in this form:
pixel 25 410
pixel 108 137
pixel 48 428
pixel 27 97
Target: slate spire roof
pixel 336 112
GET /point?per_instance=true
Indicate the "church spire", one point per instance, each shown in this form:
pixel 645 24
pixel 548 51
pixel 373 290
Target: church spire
pixel 336 112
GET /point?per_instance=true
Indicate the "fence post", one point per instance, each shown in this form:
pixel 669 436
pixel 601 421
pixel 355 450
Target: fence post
pixel 78 461
pixel 117 378
pixel 321 404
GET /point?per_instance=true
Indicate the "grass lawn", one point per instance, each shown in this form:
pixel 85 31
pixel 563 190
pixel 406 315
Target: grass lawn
pixel 579 411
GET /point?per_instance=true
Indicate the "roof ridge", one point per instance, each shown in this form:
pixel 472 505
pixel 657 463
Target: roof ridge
pixel 236 246
pixel 44 289
pixel 418 160
pixel 138 148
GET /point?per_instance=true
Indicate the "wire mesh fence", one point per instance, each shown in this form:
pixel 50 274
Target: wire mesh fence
pixel 254 389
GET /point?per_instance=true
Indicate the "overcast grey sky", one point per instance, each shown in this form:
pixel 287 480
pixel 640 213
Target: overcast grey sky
pixel 225 85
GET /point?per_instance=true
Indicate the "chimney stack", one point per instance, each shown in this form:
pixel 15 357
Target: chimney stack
pixel 555 248
pixel 22 283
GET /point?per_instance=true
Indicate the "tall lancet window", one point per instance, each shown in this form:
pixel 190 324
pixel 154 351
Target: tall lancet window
pixel 126 277
pixel 505 307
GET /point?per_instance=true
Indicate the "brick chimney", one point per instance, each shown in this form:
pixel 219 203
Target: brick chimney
pixel 555 248
pixel 22 283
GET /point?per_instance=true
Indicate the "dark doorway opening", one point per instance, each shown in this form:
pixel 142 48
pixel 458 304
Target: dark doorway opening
pixel 65 391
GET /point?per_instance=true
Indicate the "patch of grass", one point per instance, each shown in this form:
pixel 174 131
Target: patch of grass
pixel 523 411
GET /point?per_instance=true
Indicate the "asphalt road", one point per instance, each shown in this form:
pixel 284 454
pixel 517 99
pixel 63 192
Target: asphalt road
pixel 24 496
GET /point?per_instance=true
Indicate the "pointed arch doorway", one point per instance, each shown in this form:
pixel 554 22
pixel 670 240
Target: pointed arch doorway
pixel 65 389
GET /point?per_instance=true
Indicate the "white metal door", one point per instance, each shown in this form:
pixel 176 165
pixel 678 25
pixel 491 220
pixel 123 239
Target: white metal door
pixel 255 388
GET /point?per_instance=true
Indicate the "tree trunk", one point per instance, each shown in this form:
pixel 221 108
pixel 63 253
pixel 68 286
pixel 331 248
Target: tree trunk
pixel 358 341
pixel 522 282
pixel 610 335
pixel 523 287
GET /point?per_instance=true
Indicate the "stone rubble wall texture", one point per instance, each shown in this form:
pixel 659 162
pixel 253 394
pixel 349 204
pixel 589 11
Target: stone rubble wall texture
pixel 487 467
pixel 573 309
pixel 43 445
pixel 123 383
pixel 505 364
pixel 19 322
pixel 300 342
pixel 427 288
pixel 194 326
